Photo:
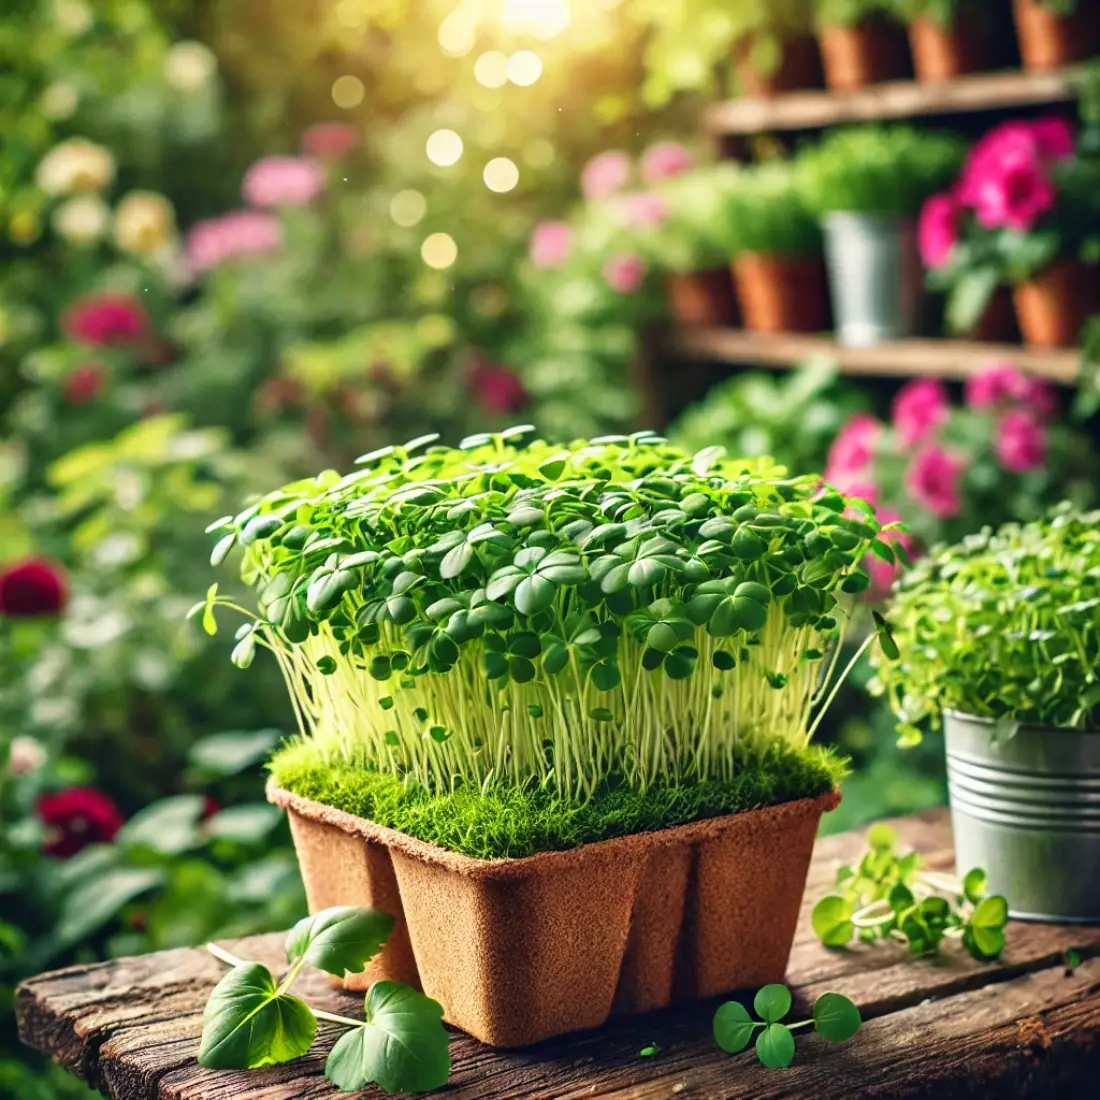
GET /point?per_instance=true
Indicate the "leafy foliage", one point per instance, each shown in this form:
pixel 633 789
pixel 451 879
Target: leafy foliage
pixel 887 896
pixel 767 212
pixel 1028 596
pixel 505 613
pixel 835 1018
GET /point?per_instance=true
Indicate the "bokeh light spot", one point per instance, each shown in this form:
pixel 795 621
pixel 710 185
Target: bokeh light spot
pixel 407 208
pixel 350 13
pixel 501 174
pixel 524 68
pixel 457 33
pixel 491 69
pixel 545 19
pixel 348 92
pixel 444 148
pixel 439 250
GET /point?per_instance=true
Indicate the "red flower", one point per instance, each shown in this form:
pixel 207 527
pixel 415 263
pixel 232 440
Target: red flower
pixel 76 818
pixel 329 140
pixel 497 389
pixel 104 320
pixel 83 384
pixel 31 588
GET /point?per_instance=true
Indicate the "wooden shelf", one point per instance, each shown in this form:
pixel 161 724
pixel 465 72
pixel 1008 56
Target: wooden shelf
pixel 906 358
pixel 903 99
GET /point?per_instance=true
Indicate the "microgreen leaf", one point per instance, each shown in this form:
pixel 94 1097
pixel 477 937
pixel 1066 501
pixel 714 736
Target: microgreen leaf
pixel 772 1002
pixel 775 1046
pixel 832 921
pixel 339 939
pixel 836 1018
pixel 249 1024
pixel 402 1047
pixel 733 1027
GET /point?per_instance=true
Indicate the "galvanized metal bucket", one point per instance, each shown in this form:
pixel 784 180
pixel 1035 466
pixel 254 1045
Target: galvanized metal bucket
pixel 874 277
pixel 1026 808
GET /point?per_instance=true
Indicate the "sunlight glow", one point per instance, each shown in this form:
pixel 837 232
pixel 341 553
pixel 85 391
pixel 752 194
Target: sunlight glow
pixel 524 68
pixel 501 174
pixel 439 250
pixel 407 208
pixel 348 92
pixel 444 148
pixel 545 19
pixel 491 69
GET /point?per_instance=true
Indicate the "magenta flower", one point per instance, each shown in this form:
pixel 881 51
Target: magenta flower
pixel 1054 137
pixel 75 818
pixel 1007 141
pixel 497 389
pixel 329 140
pixel 283 181
pixel 919 408
pixel 852 450
pixel 32 588
pixel 83 383
pixel 665 159
pixel 643 211
pixel 995 385
pixel 1021 442
pixel 106 320
pixel 625 273
pixel 1040 397
pixel 1015 195
pixel 933 481
pixel 938 230
pixel 605 174
pixel 551 244
pixel 240 233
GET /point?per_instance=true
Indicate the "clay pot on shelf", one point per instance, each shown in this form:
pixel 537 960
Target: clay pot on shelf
pixel 781 293
pixel 799 67
pixel 1053 306
pixel 519 950
pixel 702 299
pixel 997 324
pixel 863 53
pixel 1048 40
pixel 943 53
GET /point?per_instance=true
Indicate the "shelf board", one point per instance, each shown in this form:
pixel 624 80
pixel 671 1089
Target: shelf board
pixel 906 358
pixel 901 99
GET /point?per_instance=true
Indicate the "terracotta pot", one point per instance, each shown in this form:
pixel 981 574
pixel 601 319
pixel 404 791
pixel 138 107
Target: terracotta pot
pixel 1054 305
pixel 997 324
pixel 702 299
pixel 519 950
pixel 863 53
pixel 1049 41
pixel 942 53
pixel 800 67
pixel 782 293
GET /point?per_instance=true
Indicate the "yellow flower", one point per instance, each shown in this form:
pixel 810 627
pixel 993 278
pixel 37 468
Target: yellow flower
pixel 189 67
pixel 75 165
pixel 145 223
pixel 82 220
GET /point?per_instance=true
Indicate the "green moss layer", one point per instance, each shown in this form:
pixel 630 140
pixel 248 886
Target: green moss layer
pixel 515 822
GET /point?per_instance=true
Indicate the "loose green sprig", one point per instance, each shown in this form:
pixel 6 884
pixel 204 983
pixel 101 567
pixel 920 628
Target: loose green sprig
pixel 506 613
pixel 1003 625
pixel 251 1020
pixel 835 1018
pixel 887 896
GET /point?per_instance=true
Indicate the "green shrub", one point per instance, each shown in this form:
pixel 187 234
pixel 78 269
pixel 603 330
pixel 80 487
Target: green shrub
pixel 766 213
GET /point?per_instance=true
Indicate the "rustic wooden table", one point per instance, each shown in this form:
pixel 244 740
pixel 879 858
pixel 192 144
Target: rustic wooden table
pixel 1026 1026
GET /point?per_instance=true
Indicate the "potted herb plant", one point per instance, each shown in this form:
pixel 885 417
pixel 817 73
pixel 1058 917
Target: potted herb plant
pixel 1023 214
pixel 999 636
pixel 555 709
pixel 861 43
pixel 868 184
pixel 775 242
pixel 948 38
pixel 774 49
pixel 1053 33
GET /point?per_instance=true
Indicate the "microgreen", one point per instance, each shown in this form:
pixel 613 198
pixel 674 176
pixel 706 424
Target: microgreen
pixel 1003 625
pixel 252 1020
pixel 511 613
pixel 890 896
pixel 835 1018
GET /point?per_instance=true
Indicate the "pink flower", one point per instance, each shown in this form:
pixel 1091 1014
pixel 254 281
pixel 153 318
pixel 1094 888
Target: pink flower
pixel 1054 137
pixel 605 174
pixel 329 140
pixel 862 489
pixel 933 481
pixel 84 383
pixel 240 233
pixel 1021 442
pixel 994 385
pixel 1040 398
pixel 1014 196
pixel 625 273
pixel 497 389
pixel 551 244
pixel 919 408
pixel 852 450
pixel 643 211
pixel 665 159
pixel 938 230
pixel 883 574
pixel 283 181
pixel 106 320
pixel 1007 141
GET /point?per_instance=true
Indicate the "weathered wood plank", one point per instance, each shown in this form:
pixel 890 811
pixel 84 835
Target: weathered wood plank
pixel 131 1027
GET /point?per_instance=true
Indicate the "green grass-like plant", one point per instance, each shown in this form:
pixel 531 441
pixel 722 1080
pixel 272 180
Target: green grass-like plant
pixel 765 212
pixel 503 614
pixel 847 13
pixel 1003 625
pixel 887 170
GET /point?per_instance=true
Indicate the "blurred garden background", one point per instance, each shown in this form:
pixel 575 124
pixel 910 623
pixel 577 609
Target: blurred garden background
pixel 246 241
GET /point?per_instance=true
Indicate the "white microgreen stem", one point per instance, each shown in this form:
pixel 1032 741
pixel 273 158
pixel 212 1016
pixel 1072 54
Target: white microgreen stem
pixel 225 956
pixel 873 915
pixel 801 1023
pixel 332 1018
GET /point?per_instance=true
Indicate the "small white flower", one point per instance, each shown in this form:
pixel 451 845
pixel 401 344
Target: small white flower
pixel 189 67
pixel 75 165
pixel 59 101
pixel 145 223
pixel 72 17
pixel 82 220
pixel 27 755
